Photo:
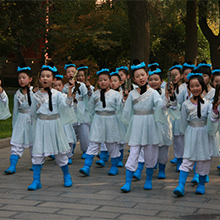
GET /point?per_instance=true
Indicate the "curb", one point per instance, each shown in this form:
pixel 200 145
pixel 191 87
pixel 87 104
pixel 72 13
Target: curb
pixel 5 142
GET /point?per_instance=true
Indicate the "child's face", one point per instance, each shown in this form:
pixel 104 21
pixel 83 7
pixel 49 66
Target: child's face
pixel 115 83
pixel 140 77
pixel 195 87
pixel 24 79
pixel 123 76
pixel 81 76
pixel 70 72
pixel 206 78
pixel 46 78
pixel 185 73
pixel 155 81
pixel 216 81
pixel 177 75
pixel 104 81
pixel 58 85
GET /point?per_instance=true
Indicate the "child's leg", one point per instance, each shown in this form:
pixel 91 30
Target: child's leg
pixel 103 155
pixel 163 158
pixel 178 149
pixel 137 174
pixel 151 157
pixel 121 149
pixel 70 154
pixel 84 138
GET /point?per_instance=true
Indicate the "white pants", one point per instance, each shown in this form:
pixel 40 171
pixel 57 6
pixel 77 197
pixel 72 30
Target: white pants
pixel 202 167
pixel 61 160
pixel 82 134
pixel 70 154
pixel 103 147
pixel 113 149
pixel 178 144
pixel 121 146
pixel 163 154
pixel 150 156
pixel 15 150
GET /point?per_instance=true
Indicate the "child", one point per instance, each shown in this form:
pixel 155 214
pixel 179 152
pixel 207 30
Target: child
pixel 81 129
pixel 105 126
pixel 142 131
pixel 22 133
pixel 50 109
pixel 195 112
pixel 4 108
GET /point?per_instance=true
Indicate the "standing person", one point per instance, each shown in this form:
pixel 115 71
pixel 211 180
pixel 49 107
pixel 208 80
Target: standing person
pixel 4 108
pixel 105 127
pixel 23 131
pixel 197 112
pixel 143 131
pixel 50 110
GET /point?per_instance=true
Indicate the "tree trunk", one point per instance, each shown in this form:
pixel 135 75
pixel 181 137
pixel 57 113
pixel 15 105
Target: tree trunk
pixel 191 32
pixel 214 41
pixel 139 30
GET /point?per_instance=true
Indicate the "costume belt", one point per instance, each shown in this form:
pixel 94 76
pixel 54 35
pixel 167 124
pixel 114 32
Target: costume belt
pixel 48 117
pixel 144 112
pixel 24 111
pixel 105 113
pixel 197 123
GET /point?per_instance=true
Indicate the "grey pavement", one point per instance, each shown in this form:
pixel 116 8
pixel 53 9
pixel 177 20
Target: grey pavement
pixel 98 196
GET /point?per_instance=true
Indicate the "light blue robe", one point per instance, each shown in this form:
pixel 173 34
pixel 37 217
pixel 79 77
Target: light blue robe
pixel 4 107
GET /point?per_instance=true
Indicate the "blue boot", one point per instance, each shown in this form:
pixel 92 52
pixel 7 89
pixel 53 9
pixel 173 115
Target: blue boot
pixel 83 155
pixel 52 157
pixel 195 179
pixel 218 167
pixel 161 174
pixel 13 163
pixel 66 176
pixel 87 164
pixel 148 182
pixel 174 160
pixel 201 186
pixel 70 161
pixel 155 168
pixel 137 174
pixel 36 184
pixel 74 145
pixel 32 168
pixel 179 161
pixel 207 179
pixel 179 191
pixel 120 163
pixel 127 185
pixel 114 169
pixel 103 158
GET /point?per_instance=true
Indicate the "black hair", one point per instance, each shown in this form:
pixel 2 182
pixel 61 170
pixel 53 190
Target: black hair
pixel 116 74
pixel 51 64
pixel 86 71
pixel 215 74
pixel 205 69
pixel 153 67
pixel 136 62
pixel 104 72
pixel 159 74
pixel 186 67
pixel 28 72
pixel 179 69
pixel 57 77
pixel 200 79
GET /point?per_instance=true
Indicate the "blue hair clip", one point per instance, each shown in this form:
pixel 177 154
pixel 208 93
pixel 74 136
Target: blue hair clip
pixel 101 71
pixel 82 67
pixel 69 65
pixel 193 74
pixel 113 73
pixel 157 71
pixel 189 65
pixel 216 71
pixel 205 65
pixel 152 64
pixel 139 66
pixel 19 69
pixel 52 69
pixel 59 76
pixel 122 68
pixel 176 66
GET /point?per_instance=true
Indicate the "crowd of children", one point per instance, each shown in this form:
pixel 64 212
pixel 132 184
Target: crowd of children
pixel 149 116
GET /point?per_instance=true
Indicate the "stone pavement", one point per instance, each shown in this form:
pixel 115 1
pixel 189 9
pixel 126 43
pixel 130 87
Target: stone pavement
pixel 99 196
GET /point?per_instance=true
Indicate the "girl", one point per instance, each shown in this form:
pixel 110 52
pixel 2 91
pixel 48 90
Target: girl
pixel 4 108
pixel 197 145
pixel 105 126
pixel 81 129
pixel 139 114
pixel 23 131
pixel 50 109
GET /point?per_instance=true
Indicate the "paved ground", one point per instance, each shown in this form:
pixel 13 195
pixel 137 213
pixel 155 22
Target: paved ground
pixel 99 196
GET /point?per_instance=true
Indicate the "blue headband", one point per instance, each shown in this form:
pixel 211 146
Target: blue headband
pixel 19 69
pixel 114 73
pixel 189 65
pixel 157 71
pixel 52 69
pixel 139 66
pixel 205 65
pixel 152 64
pixel 101 71
pixel 216 71
pixel 69 65
pixel 59 76
pixel 193 74
pixel 82 67
pixel 122 68
pixel 176 66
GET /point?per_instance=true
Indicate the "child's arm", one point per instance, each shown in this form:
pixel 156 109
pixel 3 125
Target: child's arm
pixel 15 111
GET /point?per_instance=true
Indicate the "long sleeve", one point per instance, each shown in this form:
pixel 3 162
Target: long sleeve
pixel 128 110
pixel 15 111
pixel 184 116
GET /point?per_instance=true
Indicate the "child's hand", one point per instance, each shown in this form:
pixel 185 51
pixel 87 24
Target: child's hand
pixel 35 89
pixel 215 105
pixel 125 95
pixel 88 85
pixel 72 82
pixel 169 93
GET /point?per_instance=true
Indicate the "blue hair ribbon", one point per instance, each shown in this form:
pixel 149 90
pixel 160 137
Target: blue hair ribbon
pixel 205 65
pixel 82 67
pixel 193 74
pixel 59 76
pixel 139 66
pixel 189 65
pixel 216 71
pixel 152 64
pixel 122 68
pixel 157 71
pixel 176 66
pixel 69 65
pixel 52 69
pixel 101 71
pixel 19 69
pixel 113 73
